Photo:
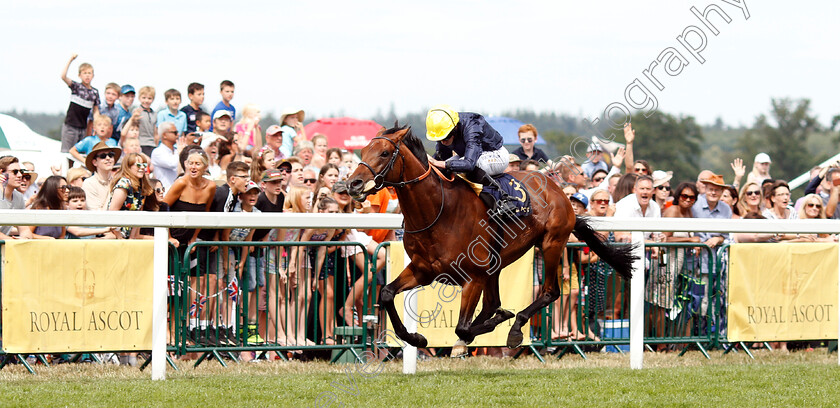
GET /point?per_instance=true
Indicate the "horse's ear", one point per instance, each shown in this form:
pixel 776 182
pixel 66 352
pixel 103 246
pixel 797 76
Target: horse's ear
pixel 396 123
pixel 402 133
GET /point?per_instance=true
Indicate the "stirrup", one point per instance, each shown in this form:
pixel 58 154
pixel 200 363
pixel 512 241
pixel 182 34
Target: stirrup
pixel 505 207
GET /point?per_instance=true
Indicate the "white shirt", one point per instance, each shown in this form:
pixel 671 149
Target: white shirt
pixel 629 207
pixel 165 162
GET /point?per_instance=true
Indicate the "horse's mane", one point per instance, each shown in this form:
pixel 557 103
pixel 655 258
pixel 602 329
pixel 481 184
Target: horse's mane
pixel 414 144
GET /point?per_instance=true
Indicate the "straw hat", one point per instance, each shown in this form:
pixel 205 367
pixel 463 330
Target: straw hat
pixel 99 148
pixel 287 112
pixel 661 177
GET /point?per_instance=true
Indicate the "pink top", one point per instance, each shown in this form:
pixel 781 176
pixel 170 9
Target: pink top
pixel 246 129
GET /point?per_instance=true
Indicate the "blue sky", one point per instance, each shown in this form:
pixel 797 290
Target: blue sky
pixel 360 57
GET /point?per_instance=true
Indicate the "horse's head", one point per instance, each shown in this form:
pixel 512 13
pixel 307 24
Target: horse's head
pixel 377 166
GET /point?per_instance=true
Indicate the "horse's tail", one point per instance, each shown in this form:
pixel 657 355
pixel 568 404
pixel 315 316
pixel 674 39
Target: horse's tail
pixel 620 257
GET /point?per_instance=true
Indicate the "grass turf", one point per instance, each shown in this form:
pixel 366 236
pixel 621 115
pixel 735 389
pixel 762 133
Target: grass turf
pixel 802 379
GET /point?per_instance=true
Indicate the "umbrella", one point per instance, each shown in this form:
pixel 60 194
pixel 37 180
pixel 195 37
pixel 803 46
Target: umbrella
pixel 509 129
pixel 346 133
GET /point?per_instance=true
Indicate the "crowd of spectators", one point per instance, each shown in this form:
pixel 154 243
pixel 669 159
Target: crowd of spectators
pixel 193 158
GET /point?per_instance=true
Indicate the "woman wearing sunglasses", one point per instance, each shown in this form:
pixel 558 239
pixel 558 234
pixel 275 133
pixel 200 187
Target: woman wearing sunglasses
pixel 662 188
pixel 750 199
pixel 130 187
pixel 812 208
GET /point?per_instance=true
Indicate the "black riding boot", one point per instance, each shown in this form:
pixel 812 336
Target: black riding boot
pixel 504 206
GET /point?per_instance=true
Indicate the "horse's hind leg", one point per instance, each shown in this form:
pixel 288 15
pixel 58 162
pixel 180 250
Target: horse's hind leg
pixel 406 280
pixel 549 293
pixel 491 312
pixel 470 294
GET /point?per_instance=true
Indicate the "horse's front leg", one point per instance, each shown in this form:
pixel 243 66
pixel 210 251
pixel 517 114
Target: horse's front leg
pixel 405 281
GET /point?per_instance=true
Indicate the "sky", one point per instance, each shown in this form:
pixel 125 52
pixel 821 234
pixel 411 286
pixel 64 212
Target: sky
pixel 363 57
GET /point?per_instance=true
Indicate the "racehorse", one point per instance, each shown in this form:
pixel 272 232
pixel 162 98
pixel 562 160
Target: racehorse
pixel 450 237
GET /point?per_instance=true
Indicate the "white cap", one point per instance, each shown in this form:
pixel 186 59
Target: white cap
pixel 222 112
pixel 594 147
pixel 762 158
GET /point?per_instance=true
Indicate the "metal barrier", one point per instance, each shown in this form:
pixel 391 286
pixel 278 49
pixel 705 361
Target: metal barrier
pixel 592 310
pixel 272 298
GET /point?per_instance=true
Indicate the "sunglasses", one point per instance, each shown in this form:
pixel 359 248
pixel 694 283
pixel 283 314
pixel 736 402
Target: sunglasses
pixel 598 179
pixel 309 181
pixel 16 172
pixel 753 193
pixel 602 201
pixel 27 177
pixel 109 155
pixel 688 197
pixel 284 170
pixel 664 188
pixel 526 140
pixel 812 205
pixel 64 187
pixel 160 190
pixel 640 170
pixel 142 166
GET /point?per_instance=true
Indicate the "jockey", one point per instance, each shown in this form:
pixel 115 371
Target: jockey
pixel 481 153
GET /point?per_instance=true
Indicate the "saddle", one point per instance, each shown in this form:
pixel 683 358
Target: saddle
pixel 489 194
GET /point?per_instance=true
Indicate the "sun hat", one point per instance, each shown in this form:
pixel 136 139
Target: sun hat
pixel 762 158
pixel 715 179
pixel 299 112
pixel 514 158
pixel 661 177
pixel 99 148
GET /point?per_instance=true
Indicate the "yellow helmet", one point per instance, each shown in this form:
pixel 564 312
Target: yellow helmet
pixel 440 120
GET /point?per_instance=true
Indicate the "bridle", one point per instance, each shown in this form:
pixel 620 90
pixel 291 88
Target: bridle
pixel 379 179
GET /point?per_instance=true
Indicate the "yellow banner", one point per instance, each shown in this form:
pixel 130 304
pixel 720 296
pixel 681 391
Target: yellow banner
pixel 77 295
pixel 782 292
pixel 438 305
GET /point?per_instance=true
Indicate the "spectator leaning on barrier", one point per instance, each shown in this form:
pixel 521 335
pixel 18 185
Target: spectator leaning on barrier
pixel 708 205
pixel 526 149
pixel 100 161
pixel 750 199
pixel 824 185
pixel 130 187
pixel 779 196
pixel 271 201
pixel 640 204
pixel 51 196
pixel 12 199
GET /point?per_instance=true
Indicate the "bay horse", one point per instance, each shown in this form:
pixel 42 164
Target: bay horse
pixel 450 237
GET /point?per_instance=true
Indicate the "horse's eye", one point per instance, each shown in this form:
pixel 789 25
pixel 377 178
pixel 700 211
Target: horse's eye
pixel 384 154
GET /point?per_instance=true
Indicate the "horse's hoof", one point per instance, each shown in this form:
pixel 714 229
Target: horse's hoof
pixel 417 340
pixel 514 338
pixel 459 349
pixel 504 314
